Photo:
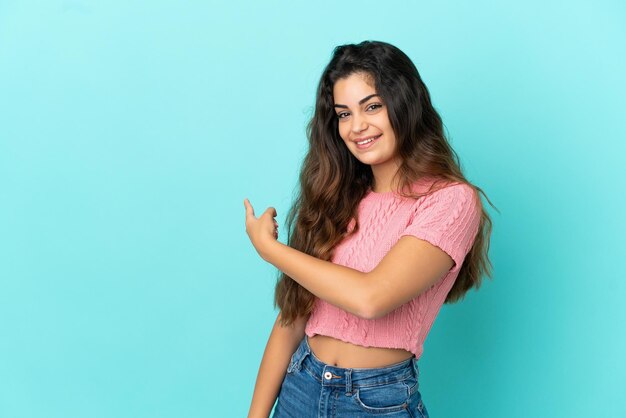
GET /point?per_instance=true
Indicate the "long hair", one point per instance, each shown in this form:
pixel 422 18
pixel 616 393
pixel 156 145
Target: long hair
pixel 332 181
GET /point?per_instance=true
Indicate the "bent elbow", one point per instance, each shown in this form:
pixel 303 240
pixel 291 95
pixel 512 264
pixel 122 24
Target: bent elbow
pixel 371 309
pixel 371 303
pixel 367 313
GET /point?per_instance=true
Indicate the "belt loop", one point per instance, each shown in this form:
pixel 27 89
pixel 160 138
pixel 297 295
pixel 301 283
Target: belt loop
pixel 299 355
pixel 306 350
pixel 416 368
pixel 349 382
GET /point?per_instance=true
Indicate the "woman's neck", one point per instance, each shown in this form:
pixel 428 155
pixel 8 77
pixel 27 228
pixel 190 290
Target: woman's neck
pixel 383 175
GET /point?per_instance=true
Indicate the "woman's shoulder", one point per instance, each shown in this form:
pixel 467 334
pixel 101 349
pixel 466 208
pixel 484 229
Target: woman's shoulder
pixel 439 186
pixel 445 195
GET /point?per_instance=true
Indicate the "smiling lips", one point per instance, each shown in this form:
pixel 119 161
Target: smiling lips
pixel 367 142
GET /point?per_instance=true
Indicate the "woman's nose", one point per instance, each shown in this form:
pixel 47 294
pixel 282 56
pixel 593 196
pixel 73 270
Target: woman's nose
pixel 358 124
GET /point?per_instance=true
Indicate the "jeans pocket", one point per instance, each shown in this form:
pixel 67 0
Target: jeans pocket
pixel 413 384
pixel 389 397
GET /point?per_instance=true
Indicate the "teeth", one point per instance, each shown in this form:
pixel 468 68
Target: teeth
pixel 366 141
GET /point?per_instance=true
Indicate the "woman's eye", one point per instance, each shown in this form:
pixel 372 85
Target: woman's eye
pixel 373 106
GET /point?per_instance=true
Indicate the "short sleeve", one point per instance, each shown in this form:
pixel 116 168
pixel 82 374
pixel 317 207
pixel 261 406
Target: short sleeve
pixel 449 219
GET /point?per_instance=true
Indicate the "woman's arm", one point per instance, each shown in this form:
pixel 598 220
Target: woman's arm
pixel 282 343
pixel 437 240
pixel 409 268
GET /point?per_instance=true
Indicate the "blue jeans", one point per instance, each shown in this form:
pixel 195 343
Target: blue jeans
pixel 314 389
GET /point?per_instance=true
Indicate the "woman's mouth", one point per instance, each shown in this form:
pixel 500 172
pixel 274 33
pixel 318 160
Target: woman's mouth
pixel 367 143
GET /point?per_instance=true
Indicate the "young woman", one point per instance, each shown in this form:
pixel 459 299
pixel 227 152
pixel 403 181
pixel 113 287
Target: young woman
pixel 387 229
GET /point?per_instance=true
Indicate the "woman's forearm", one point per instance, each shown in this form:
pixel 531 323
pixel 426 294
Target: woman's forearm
pixel 281 345
pixel 342 286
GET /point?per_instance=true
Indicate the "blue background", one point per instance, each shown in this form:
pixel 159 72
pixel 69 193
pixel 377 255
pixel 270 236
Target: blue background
pixel 131 132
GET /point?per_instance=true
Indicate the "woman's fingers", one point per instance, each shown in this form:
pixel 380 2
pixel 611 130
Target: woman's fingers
pixel 250 210
pixel 270 211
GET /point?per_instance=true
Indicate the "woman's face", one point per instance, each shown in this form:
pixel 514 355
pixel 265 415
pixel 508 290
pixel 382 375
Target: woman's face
pixel 362 115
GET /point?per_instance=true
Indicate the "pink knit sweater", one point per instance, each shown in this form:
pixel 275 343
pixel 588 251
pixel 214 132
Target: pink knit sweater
pixel 448 218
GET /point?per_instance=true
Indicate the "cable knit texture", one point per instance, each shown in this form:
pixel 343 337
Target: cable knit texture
pixel 448 218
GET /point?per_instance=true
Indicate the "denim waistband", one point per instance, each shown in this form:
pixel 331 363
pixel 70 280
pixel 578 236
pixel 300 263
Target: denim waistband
pixel 329 375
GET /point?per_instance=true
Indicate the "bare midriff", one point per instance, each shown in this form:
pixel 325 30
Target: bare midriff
pixel 347 355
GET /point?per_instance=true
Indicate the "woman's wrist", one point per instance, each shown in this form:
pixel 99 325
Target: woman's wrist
pixel 267 250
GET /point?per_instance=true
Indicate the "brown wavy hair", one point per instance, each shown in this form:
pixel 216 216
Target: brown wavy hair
pixel 332 181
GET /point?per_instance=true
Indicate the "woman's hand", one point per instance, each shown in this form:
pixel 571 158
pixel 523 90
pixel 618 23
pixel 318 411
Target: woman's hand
pixel 263 230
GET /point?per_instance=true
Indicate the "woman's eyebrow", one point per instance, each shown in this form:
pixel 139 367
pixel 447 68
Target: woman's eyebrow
pixel 363 100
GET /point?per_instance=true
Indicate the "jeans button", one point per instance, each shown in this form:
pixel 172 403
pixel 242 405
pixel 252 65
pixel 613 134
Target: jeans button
pixel 328 375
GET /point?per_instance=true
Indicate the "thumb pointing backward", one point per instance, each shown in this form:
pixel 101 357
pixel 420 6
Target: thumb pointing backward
pixel 249 208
